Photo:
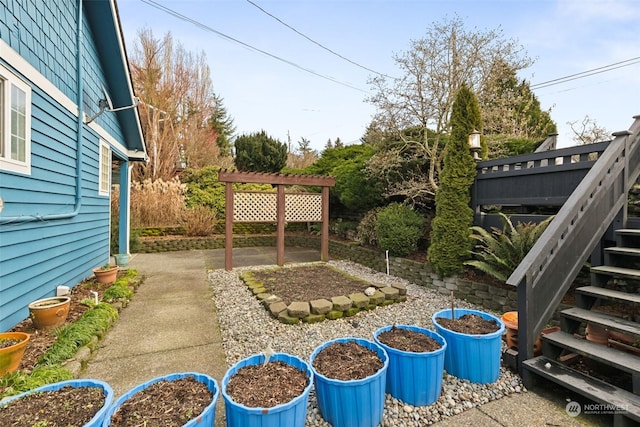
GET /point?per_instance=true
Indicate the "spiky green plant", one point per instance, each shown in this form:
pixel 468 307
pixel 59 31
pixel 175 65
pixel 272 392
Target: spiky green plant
pixel 20 381
pixel 499 252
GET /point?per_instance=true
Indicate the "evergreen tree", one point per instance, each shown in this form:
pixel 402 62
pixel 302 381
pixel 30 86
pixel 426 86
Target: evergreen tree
pixel 222 124
pixel 259 152
pixel 304 146
pixel 450 236
pixel 510 108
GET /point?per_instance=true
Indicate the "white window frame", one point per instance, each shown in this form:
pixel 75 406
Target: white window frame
pixel 10 81
pixel 104 169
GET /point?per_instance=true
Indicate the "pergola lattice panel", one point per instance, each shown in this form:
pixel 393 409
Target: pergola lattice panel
pixel 262 207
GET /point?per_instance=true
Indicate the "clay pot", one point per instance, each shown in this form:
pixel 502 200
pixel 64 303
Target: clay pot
pixel 10 356
pixel 510 320
pixel 597 334
pixel 106 275
pixel 49 313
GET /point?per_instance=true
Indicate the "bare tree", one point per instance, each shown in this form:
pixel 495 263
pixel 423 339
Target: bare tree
pixel 177 106
pixel 432 71
pixel 588 131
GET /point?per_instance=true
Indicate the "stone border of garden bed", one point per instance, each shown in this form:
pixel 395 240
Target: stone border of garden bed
pixel 323 309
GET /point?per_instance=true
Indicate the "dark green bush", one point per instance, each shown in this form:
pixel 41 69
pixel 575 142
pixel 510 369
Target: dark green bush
pixel 398 229
pixel 258 152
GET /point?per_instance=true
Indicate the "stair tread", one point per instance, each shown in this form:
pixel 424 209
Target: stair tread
pixel 621 360
pixel 623 250
pixel 617 271
pixel 602 319
pixel 628 231
pixel 585 385
pixel 611 294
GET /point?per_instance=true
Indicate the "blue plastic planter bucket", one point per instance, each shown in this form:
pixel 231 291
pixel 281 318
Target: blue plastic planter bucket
pixel 290 414
pixel 414 378
pixel 472 357
pixel 206 418
pixel 97 419
pixel 355 403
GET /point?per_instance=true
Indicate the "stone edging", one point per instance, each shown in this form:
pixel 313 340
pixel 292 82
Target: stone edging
pixel 323 309
pixel 78 362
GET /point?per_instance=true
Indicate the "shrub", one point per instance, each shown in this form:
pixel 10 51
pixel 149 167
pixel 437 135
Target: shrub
pixel 398 229
pixel 258 152
pixel 499 252
pixel 366 231
pixel 204 189
pixel 199 221
pixel 348 165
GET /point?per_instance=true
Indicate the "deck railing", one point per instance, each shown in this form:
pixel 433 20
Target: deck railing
pixel 528 182
pixel 547 271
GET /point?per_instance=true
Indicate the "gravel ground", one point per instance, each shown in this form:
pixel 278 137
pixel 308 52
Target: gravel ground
pixel 248 329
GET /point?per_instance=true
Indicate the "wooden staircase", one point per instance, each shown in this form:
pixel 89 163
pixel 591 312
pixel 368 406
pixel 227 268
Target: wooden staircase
pixel 607 373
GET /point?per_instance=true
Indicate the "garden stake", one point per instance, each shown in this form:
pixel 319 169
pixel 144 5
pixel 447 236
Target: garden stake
pixel 452 307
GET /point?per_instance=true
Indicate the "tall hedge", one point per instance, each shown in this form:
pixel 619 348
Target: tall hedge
pixel 450 235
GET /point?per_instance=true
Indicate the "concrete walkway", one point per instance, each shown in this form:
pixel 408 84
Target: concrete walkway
pixel 171 326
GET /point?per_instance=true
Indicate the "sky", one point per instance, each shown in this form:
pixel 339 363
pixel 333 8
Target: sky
pixel 274 79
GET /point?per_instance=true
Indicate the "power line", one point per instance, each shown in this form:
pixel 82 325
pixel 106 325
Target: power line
pixel 250 47
pixel 583 74
pixel 315 42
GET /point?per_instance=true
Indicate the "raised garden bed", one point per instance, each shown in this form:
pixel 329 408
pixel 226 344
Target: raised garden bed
pixel 317 292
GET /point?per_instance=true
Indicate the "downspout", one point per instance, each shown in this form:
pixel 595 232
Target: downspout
pixel 79 137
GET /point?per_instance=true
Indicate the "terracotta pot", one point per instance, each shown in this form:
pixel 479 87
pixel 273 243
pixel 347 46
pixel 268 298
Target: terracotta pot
pixel 49 313
pixel 10 356
pixel 106 275
pixel 597 334
pixel 510 320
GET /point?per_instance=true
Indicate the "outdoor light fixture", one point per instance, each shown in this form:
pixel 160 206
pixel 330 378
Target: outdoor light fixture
pixel 106 105
pixel 474 144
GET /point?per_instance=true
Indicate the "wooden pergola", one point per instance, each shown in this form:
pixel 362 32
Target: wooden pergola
pixel 280 217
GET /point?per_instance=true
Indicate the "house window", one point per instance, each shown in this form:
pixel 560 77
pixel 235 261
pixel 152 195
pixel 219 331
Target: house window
pixel 105 169
pixel 15 123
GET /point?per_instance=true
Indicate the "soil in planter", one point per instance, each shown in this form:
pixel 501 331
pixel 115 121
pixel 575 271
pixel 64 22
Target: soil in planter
pixel 408 340
pixel 68 406
pixel 469 324
pixel 265 386
pixel 8 342
pixel 347 361
pixel 164 403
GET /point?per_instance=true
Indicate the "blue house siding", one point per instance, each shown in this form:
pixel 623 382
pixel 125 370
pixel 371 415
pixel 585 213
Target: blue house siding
pixel 44 241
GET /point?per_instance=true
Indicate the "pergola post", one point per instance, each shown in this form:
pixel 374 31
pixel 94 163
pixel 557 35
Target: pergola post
pixel 324 240
pixel 280 215
pixel 228 226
